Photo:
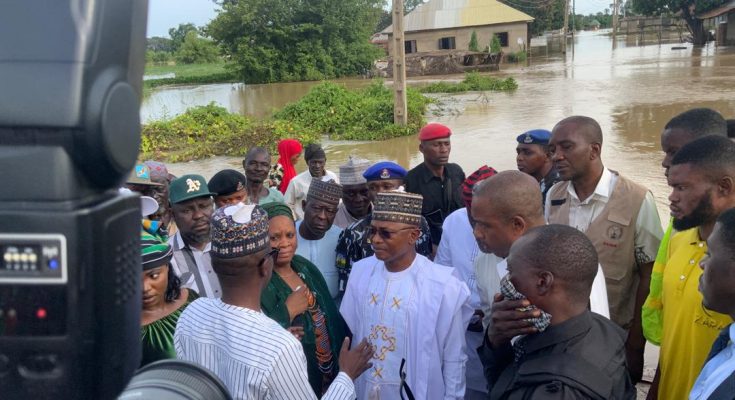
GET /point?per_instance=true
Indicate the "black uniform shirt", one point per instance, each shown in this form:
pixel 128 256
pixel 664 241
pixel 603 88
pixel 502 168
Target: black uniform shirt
pixel 441 196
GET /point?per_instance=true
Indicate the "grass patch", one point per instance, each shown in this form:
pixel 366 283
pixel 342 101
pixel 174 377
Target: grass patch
pixel 189 74
pixel 472 81
pixel 210 130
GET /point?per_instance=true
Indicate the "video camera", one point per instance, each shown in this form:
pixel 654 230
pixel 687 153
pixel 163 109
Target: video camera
pixel 70 86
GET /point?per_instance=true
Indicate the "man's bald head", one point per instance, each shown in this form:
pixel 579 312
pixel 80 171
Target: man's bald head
pixel 586 126
pixel 510 193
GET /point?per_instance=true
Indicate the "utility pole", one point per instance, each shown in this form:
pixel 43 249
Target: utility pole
pixel 400 107
pixel 565 27
pixel 615 23
pixel 574 20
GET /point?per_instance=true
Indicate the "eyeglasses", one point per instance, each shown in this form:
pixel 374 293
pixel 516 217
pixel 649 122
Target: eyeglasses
pixel 382 232
pixel 271 254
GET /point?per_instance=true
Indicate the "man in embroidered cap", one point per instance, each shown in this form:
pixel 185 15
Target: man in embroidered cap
pixel 533 157
pixel 191 205
pixel 252 354
pixel 229 186
pixel 436 179
pixel 414 312
pixel 298 188
pixel 353 244
pixel 355 195
pixel 458 249
pixel 317 235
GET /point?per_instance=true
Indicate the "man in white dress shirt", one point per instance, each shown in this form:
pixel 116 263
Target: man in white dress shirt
pixel 458 249
pixel 413 312
pixel 298 188
pixel 504 207
pixel 618 215
pixel 253 356
pixel 192 207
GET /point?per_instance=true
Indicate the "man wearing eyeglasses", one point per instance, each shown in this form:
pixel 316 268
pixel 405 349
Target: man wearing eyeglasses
pixel 413 312
pixel 252 354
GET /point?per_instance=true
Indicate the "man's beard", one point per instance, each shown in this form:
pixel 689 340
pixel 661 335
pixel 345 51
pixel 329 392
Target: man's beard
pixel 701 214
pixel 196 238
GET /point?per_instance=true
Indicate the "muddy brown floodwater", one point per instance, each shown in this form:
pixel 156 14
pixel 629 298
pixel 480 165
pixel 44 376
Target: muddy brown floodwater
pixel 632 92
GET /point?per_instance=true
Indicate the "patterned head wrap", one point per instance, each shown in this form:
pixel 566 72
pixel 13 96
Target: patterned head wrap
pixel 154 251
pixel 476 177
pixel 239 230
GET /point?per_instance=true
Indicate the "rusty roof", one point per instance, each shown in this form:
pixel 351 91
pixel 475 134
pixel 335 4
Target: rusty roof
pixel 443 14
pixel 724 9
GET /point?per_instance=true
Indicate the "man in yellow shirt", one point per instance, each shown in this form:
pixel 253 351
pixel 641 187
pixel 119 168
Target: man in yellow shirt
pixel 701 176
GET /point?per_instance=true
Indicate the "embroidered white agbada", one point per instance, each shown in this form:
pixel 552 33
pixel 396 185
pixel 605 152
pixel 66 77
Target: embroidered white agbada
pixel 420 315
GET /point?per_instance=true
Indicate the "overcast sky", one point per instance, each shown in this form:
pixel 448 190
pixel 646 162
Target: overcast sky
pixel 166 14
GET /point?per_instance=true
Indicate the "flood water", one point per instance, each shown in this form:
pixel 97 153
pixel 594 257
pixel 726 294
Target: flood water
pixel 632 92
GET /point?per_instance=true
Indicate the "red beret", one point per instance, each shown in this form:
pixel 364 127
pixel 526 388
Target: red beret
pixel 434 131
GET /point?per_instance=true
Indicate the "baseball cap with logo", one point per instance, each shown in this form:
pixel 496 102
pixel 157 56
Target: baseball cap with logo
pixel 141 175
pixel 188 187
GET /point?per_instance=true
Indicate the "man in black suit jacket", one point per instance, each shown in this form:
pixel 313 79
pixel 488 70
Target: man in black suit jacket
pixel 717 284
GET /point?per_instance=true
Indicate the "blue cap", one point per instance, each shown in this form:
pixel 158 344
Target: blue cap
pixel 535 136
pixel 384 170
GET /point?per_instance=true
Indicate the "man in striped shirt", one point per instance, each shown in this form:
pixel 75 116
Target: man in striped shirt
pixel 249 352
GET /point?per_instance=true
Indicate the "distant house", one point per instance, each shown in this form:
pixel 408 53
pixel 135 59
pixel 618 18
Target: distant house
pixel 594 25
pixel 439 25
pixel 720 19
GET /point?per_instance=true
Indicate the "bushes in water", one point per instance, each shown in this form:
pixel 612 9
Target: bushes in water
pixel 517 57
pixel 365 114
pixel 473 81
pixel 211 130
pixel 328 109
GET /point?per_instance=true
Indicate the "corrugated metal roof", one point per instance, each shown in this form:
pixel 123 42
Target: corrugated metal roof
pixel 443 14
pixel 724 9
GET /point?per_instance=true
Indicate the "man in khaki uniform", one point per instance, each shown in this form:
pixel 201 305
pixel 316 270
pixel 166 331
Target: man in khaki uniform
pixel 617 215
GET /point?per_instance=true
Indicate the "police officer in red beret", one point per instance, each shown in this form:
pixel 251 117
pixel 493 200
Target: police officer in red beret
pixel 436 178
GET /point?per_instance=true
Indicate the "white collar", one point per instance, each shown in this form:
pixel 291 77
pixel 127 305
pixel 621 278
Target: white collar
pixel 602 190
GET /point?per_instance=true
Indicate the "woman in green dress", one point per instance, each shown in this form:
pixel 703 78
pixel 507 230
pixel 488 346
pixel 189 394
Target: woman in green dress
pixel 163 299
pixel 297 296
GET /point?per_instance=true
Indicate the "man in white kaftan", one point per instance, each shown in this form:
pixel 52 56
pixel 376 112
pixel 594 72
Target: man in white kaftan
pixel 412 311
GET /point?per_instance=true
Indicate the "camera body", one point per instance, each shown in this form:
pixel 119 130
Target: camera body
pixel 70 84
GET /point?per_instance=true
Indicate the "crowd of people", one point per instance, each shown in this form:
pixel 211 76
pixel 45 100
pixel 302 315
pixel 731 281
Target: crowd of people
pixel 376 282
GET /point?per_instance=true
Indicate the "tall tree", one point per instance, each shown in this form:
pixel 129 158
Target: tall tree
pixel 178 34
pixel 287 40
pixel 689 10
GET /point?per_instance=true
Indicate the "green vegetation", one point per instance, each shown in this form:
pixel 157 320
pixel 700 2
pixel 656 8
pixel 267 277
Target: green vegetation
pixel 328 109
pixel 474 45
pixel 517 57
pixel 495 46
pixel 365 114
pixel 189 74
pixel 197 50
pixel 211 130
pixel 298 40
pixel 473 81
pixel 688 13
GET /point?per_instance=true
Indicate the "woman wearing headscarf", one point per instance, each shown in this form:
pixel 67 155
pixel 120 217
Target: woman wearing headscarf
pixel 297 296
pixel 289 151
pixel 163 299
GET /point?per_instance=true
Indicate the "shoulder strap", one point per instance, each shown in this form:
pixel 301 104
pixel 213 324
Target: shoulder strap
pixel 189 266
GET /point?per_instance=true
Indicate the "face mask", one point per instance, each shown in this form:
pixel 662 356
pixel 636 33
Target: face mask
pixel 509 292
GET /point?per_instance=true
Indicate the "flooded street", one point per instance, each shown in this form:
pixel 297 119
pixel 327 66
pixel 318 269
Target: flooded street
pixel 632 92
